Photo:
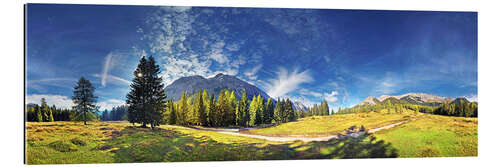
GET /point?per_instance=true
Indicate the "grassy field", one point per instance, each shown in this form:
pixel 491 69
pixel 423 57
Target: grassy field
pixel 434 136
pixel 115 142
pixel 334 124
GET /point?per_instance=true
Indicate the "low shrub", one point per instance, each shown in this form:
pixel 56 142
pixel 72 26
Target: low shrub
pixel 62 146
pixel 77 141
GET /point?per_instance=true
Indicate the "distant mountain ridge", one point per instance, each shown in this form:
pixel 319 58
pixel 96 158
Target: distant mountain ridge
pixel 214 85
pixel 297 105
pixel 412 98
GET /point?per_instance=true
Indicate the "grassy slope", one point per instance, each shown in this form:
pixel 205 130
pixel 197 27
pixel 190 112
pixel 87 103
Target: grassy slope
pixel 434 136
pixel 106 142
pixel 330 125
pixel 51 143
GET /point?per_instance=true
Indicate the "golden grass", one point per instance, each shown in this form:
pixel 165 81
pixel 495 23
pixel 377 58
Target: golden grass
pixel 334 124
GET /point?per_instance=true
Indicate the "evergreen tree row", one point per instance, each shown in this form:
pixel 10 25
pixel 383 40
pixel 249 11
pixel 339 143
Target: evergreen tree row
pixel 116 114
pixel 44 113
pixel 319 110
pixel 226 110
pixel 460 107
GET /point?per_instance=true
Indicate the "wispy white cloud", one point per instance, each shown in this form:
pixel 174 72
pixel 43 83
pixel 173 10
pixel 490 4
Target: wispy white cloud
pixel 105 69
pixel 388 84
pixel 311 93
pixel 287 82
pixel 216 53
pixel 331 97
pixel 108 64
pixel 57 100
pixel 252 73
pixel 113 79
pixel 40 84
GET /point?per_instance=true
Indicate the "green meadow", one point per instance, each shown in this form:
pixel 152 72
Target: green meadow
pixel 119 141
pixel 434 136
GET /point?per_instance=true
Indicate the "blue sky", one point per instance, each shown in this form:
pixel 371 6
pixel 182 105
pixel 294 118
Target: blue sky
pixel 342 56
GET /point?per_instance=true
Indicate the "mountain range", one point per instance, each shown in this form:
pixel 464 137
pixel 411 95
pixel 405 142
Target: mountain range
pixel 412 98
pixel 214 85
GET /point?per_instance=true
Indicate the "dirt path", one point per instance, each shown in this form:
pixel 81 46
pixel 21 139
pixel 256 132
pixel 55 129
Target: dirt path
pixel 237 132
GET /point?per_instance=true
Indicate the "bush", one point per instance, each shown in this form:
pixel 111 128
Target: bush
pixel 62 146
pixel 77 141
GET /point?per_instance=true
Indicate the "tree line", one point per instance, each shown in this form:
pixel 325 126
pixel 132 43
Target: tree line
pixel 226 110
pixel 115 114
pixel 44 113
pixel 459 107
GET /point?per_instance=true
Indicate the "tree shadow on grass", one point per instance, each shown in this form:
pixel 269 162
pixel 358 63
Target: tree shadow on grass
pixel 364 146
pixel 162 145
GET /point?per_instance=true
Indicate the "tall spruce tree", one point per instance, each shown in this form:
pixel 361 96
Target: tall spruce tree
pixel 289 111
pixel 199 110
pixel 242 111
pixel 233 104
pixel 38 111
pixel 255 110
pixel 324 108
pixel 221 109
pixel 212 111
pixel 147 94
pixel 269 111
pixel 172 115
pixel 182 108
pixel 84 99
pixel 278 112
pixel 105 115
pixel 206 103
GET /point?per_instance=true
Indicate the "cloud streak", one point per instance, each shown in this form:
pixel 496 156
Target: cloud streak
pixel 252 73
pixel 114 79
pixel 105 69
pixel 287 82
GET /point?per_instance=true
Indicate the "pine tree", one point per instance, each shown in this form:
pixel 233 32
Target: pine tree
pixel 278 112
pixel 324 108
pixel 289 112
pixel 51 116
pixel 206 104
pixel 199 110
pixel 260 109
pixel 38 110
pixel 83 97
pixel 221 109
pixel 147 95
pixel 269 111
pixel 254 112
pixel 182 109
pixel 104 116
pixel 172 116
pixel 242 111
pixel 212 112
pixel 232 105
